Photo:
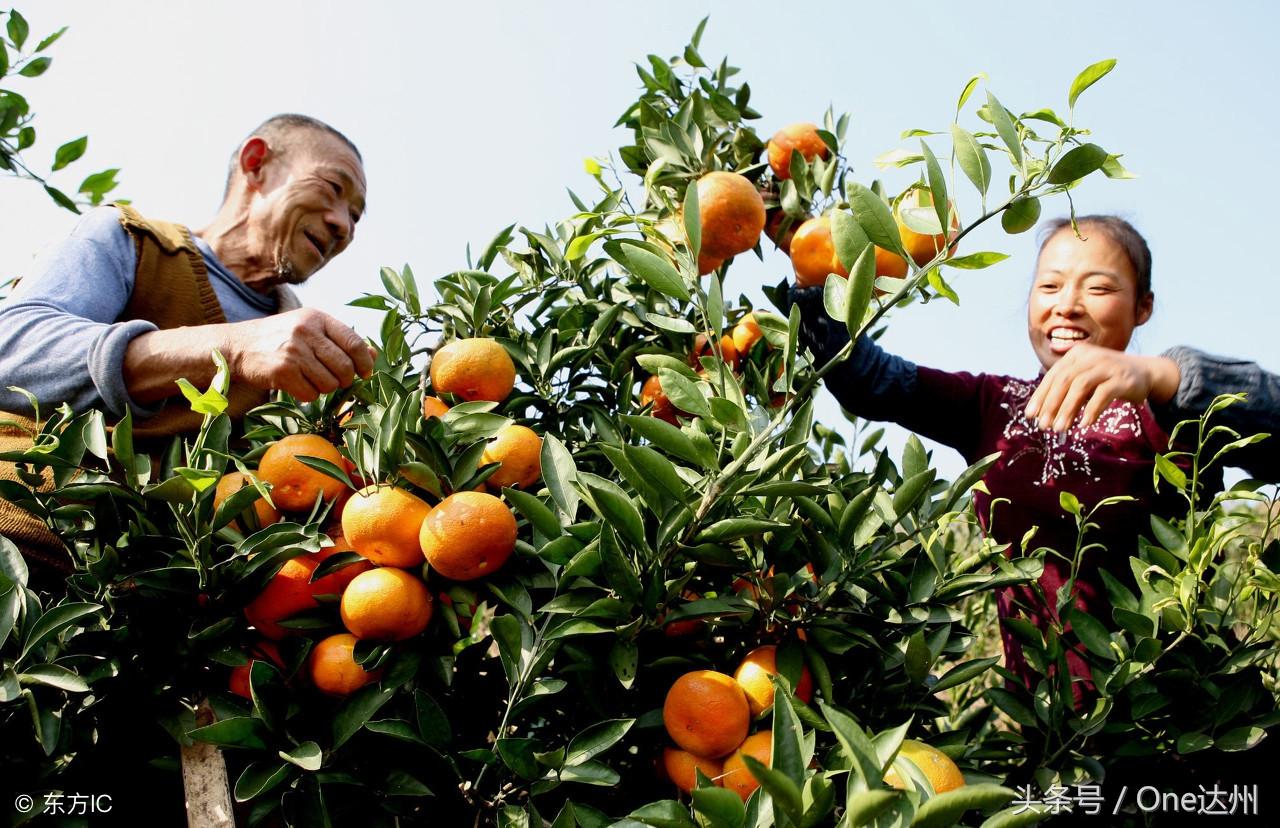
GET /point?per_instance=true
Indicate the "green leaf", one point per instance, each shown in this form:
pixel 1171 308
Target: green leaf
pixel 723 807
pixel 618 568
pixel 862 807
pixel 850 241
pixel 862 283
pixel 785 792
pixel 579 246
pixel 51 39
pixel 946 808
pixel 35 68
pixel 1078 163
pixel 558 474
pixel 972 157
pixel 937 186
pixel 1021 215
pixel 1088 78
pixel 969 86
pixel 260 777
pixel 874 216
pixel 69 152
pixel 596 739
pixel 1069 503
pixel 963 672
pixel 357 710
pixel 307 756
pixel 54 622
pixel 535 511
pixel 684 393
pixel 433 722
pixel 12 564
pixel 52 675
pixel 734 528
pixel 665 436
pixel 624 658
pixel 976 261
pixel 236 732
pixel 666 813
pixel 1241 738
pixel 1091 633
pixel 1005 128
pixel 18 29
pixel 617 508
pixel 591 773
pixel 693 223
pixel 1192 742
pixel 654 270
pixel 786 752
pixel 865 773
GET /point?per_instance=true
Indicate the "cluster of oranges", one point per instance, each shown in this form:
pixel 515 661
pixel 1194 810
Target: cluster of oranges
pixel 735 346
pixel 708 715
pixel 467 535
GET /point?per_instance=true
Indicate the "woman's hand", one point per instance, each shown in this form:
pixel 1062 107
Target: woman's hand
pixel 1091 377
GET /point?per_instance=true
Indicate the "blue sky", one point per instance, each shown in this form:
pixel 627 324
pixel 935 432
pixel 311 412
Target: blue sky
pixel 472 116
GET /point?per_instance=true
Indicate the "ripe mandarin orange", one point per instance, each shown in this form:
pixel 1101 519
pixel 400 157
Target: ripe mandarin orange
pixel 386 604
pixel 937 767
pixel 753 675
pixel 294 486
pixel 469 535
pixel 702 348
pixel 746 334
pixel 689 626
pixel 333 667
pixel 474 369
pixel 802 138
pixel 681 768
pixel 663 409
pixel 813 253
pixel 732 214
pixel 781 229
pixel 706 713
pixel 232 482
pixel 707 264
pixel 381 522
pixel 737 778
pixel 286 594
pixel 433 407
pixel 519 449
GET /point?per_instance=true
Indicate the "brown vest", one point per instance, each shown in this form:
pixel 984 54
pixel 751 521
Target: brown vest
pixel 171 290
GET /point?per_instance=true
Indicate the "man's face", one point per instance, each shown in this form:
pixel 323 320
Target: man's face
pixel 311 198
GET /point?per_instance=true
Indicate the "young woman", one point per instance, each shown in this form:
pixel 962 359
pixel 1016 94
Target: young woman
pixel 1091 424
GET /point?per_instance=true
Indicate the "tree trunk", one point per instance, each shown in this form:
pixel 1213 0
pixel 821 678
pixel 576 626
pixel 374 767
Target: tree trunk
pixel 204 780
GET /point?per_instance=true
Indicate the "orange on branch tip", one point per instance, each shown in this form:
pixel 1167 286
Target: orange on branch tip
pixel 801 137
pixel 746 334
pixel 336 582
pixel 702 348
pixel 232 482
pixel 813 253
pixel 732 214
pixel 753 676
pixel 706 713
pixel 295 485
pixel 737 777
pixel 382 522
pixel 468 535
pixel 651 392
pixel 386 604
pixel 474 369
pixel 433 407
pixel 333 668
pixel 519 449
pixel 285 595
pixel 261 651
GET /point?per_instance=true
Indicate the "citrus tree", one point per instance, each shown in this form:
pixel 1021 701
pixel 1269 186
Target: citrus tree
pixel 578 553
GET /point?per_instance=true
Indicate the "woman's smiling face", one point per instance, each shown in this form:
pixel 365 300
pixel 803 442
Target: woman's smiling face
pixel 1084 291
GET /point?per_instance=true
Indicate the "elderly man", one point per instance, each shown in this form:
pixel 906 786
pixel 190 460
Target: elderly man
pixel 116 313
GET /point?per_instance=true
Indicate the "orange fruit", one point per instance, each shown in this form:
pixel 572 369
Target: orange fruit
pixel 707 264
pixel 732 214
pixel 922 247
pixel 681 768
pixel 753 676
pixel 737 778
pixel 294 486
pixel 890 264
pixel 333 667
pixel 706 713
pixel 746 334
pixel 519 449
pixel 386 604
pixel 336 582
pixel 802 138
pixel 433 407
pixel 663 409
pixel 469 535
pixel 774 228
pixel 286 594
pixel 676 629
pixel 937 767
pixel 381 522
pixel 474 369
pixel 262 651
pixel 813 253
pixel 701 348
pixel 232 482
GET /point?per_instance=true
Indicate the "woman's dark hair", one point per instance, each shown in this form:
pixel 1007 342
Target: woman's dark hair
pixel 1119 231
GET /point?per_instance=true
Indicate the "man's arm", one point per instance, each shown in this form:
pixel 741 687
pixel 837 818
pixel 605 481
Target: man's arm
pixel 304 352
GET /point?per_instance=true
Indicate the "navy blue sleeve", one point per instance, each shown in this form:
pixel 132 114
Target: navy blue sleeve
pixel 59 338
pixel 1203 377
